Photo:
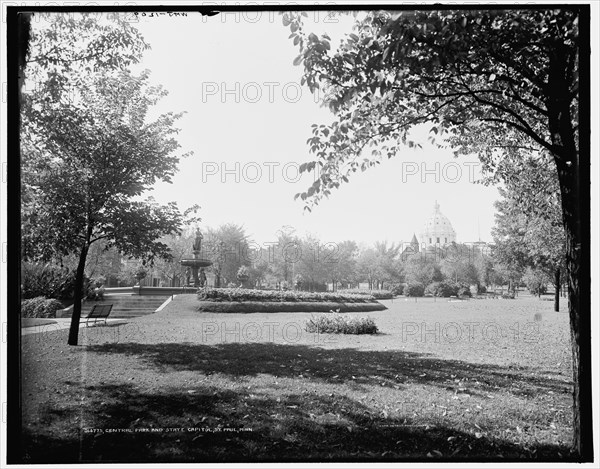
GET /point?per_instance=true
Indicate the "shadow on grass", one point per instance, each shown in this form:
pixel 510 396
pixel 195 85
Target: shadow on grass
pixel 222 425
pixel 394 368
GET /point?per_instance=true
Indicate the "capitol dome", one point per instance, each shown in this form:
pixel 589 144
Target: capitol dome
pixel 437 229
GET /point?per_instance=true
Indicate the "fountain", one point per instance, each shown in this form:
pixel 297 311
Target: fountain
pixel 197 262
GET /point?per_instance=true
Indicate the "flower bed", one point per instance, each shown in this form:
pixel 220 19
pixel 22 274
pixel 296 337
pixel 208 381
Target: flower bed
pixel 340 324
pixel 270 296
pixel 377 294
pixel 243 307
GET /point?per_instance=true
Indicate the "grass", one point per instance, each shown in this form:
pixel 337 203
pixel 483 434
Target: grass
pixel 444 380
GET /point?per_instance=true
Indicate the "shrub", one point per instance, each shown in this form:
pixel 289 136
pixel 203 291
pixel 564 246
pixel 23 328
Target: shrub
pixel 414 289
pixel 340 324
pixel 246 294
pixel 397 290
pixel 97 294
pixel 441 289
pixel 463 290
pixel 50 281
pixel 40 307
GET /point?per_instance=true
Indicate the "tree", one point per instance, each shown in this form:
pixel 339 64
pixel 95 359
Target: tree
pixel 529 230
pixel 423 270
pixel 129 271
pixel 103 262
pixel 312 260
pixel 180 247
pixel 536 281
pixel 479 79
pixel 343 266
pixel 458 264
pixel 228 248
pixel 367 266
pixel 506 274
pixel 284 254
pixel 484 264
pixel 89 152
pixel 388 266
pixel 260 269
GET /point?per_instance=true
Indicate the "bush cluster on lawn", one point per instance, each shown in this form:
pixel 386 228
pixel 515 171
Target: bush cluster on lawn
pixel 340 324
pixel 378 294
pixel 244 294
pixel 464 290
pixel 441 289
pixel 40 307
pixel 414 289
pixel 446 289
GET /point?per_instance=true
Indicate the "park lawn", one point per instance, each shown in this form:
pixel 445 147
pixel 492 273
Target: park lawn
pixel 474 379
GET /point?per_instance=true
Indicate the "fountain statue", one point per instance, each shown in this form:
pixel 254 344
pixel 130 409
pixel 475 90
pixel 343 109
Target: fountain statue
pixel 197 262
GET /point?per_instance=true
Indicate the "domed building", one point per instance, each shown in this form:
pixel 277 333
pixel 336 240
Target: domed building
pixel 437 230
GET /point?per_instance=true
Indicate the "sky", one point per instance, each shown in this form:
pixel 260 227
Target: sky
pixel 247 121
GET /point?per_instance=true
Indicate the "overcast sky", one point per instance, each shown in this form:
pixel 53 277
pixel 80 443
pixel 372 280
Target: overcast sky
pixel 247 123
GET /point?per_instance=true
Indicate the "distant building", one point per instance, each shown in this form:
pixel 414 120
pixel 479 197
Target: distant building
pixel 437 230
pixel 411 249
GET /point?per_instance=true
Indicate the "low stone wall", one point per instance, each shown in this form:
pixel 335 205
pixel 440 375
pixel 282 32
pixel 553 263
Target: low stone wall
pixel 163 291
pixel 286 307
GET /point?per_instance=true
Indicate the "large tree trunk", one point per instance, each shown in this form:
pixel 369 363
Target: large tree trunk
pixel 580 324
pixel 574 186
pixel 78 296
pixel 556 290
pixel 572 157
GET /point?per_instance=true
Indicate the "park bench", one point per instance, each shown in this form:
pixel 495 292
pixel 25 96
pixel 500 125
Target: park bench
pixel 98 312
